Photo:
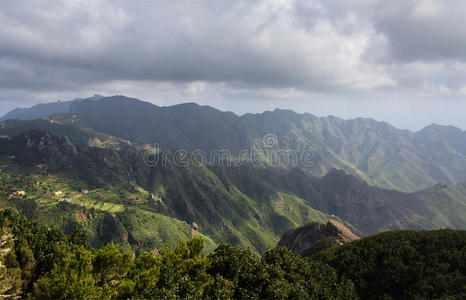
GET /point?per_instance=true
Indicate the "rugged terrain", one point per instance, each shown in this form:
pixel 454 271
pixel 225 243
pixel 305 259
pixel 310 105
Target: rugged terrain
pixel 39 261
pixel 374 151
pixel 115 196
pixel 313 237
pixel 95 167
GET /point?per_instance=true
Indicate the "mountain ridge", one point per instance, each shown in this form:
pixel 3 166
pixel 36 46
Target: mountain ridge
pixel 6 116
pixel 375 151
pixel 244 205
pixel 43 110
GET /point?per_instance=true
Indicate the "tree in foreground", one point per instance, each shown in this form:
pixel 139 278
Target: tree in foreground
pixel 404 264
pixel 41 262
pixel 278 274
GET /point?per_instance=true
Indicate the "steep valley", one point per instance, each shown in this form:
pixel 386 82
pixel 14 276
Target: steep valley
pixel 143 206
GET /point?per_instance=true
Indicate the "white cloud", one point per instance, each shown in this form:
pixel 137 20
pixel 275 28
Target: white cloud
pixel 427 8
pixel 462 90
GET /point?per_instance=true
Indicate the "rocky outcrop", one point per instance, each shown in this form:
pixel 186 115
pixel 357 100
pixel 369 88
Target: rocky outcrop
pixel 313 237
pixel 37 146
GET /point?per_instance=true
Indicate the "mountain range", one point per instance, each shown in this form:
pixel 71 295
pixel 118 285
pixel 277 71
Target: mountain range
pixel 43 110
pixel 375 151
pixel 364 174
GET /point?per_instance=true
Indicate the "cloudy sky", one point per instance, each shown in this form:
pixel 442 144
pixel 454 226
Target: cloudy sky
pixel 403 61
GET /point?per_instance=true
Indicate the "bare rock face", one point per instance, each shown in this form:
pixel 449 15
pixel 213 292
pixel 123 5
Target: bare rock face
pixel 37 147
pixel 313 237
pixel 50 144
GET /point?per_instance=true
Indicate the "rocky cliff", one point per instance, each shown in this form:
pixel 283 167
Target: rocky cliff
pixel 310 238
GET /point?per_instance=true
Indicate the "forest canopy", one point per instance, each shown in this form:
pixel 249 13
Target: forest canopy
pixel 40 261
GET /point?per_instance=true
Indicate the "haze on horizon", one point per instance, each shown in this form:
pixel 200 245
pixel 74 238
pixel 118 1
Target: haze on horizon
pixel 403 62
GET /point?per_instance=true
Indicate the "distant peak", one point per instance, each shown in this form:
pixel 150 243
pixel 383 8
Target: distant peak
pixel 193 106
pixel 186 104
pixel 432 126
pixel 436 127
pixel 121 98
pixel 95 97
pixel 286 112
pixel 283 110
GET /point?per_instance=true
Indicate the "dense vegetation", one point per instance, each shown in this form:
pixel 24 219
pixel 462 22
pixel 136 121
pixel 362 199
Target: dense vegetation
pixel 126 215
pixel 141 207
pixel 86 170
pixel 41 262
pixel 404 264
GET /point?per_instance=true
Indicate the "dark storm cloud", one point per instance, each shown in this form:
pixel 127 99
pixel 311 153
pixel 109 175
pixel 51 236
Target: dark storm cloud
pixel 232 50
pixel 423 30
pixel 214 41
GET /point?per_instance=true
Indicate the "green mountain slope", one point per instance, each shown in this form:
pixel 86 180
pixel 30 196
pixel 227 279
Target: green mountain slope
pixel 111 213
pixel 244 205
pixel 193 194
pixel 374 151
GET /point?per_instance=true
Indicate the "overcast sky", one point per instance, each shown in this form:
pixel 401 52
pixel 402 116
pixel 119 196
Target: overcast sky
pixel 402 61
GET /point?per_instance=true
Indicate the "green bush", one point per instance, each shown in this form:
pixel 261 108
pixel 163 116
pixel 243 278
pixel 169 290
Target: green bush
pixel 41 262
pixel 403 264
